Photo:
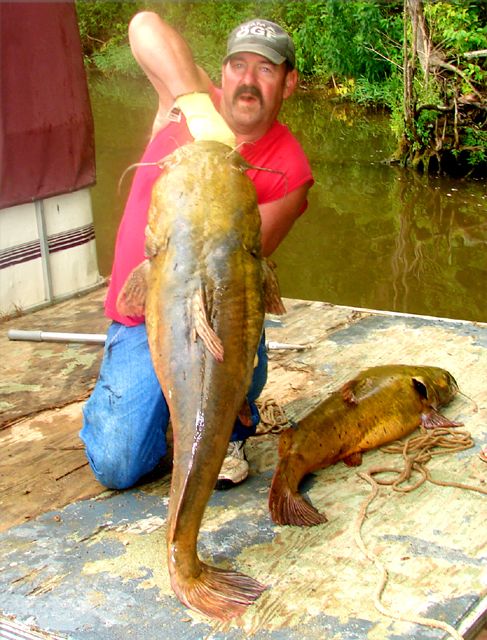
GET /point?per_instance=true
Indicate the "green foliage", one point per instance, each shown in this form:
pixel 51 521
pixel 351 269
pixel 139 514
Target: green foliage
pixel 344 39
pixel 446 117
pixel 206 26
pixel 103 24
pixel 476 139
pixel 114 58
pixel 457 25
pixel 357 38
pixel 103 30
pixel 353 46
pixel 360 39
pixel 386 93
pixel 425 124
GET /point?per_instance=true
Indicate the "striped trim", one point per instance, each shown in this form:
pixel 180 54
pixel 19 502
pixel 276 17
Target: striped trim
pixel 57 242
pixel 20 253
pixel 71 238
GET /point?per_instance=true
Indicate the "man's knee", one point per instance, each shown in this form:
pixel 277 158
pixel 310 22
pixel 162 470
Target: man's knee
pixel 113 472
pixel 120 457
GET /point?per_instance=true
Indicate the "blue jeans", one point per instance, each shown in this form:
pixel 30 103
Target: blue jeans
pixel 126 417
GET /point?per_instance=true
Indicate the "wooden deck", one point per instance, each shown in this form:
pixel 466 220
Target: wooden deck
pixel 80 562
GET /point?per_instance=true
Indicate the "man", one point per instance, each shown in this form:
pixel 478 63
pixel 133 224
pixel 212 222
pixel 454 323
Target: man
pixel 126 417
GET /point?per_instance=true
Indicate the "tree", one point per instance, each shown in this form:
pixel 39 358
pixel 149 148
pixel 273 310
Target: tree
pixel 445 97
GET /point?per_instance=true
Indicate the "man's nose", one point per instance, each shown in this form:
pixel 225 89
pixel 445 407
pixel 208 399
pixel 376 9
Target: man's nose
pixel 249 76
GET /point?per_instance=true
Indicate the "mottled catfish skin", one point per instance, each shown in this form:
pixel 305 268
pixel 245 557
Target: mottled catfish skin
pixel 380 405
pixel 204 313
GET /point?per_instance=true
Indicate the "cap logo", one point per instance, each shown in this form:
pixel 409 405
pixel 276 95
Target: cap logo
pixel 256 29
pixel 264 38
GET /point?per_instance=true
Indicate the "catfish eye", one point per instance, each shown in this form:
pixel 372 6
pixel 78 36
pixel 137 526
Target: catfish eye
pixel 420 388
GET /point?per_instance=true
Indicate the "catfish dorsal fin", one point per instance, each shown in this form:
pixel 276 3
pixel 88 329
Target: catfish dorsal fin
pixel 131 299
pixel 356 390
pixel 202 328
pixel 348 394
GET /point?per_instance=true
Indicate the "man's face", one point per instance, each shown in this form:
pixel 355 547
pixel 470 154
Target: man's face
pixel 253 91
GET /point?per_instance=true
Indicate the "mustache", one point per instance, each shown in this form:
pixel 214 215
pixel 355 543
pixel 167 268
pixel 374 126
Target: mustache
pixel 248 89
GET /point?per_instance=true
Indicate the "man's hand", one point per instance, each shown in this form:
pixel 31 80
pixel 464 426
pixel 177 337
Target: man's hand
pixel 203 120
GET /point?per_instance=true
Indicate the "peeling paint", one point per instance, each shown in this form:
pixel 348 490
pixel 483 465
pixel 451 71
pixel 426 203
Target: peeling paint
pixel 75 358
pixel 11 388
pixel 143 559
pixel 23 433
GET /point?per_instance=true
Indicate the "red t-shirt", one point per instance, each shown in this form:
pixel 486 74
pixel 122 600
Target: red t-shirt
pixel 278 149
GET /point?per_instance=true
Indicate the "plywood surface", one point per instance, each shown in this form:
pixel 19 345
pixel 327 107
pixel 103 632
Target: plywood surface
pixel 41 375
pixel 107 554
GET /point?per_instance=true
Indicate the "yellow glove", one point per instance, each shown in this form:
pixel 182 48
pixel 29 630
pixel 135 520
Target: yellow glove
pixel 203 120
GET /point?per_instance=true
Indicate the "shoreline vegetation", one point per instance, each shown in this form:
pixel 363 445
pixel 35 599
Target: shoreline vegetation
pixel 424 61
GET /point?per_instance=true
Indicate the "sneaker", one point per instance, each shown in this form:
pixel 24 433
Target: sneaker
pixel 235 467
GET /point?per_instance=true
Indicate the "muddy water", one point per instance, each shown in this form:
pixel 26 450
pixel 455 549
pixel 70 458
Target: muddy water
pixel 373 236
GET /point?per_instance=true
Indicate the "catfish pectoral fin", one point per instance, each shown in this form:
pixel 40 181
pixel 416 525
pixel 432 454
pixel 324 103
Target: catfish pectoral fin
pixel 354 459
pixel 131 299
pixel 289 507
pixel 245 414
pixel 218 593
pixel 433 419
pixel 203 329
pixel 272 295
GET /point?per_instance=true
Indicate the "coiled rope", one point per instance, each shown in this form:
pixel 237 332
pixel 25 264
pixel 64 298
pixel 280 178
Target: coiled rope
pixel 416 452
pixel 273 418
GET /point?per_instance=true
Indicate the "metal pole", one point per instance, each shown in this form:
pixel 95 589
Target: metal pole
pixel 43 241
pixel 99 338
pixel 56 336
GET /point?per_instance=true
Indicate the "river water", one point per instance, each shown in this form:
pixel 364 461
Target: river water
pixel 373 236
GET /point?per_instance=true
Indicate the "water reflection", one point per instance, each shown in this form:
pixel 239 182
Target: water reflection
pixel 377 236
pixel 373 236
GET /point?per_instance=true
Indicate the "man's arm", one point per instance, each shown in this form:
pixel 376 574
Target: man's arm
pixel 167 61
pixel 279 216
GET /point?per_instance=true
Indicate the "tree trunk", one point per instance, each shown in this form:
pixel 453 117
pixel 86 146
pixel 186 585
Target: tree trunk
pixel 437 137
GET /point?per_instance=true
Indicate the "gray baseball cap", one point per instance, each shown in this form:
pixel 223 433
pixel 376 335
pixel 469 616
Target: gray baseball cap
pixel 266 38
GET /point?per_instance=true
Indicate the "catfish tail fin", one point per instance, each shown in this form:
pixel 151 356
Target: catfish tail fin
pixel 218 593
pixel 289 507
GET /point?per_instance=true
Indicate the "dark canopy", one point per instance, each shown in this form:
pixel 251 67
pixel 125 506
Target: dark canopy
pixel 46 124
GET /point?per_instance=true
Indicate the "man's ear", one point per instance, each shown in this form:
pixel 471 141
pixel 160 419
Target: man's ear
pixel 290 82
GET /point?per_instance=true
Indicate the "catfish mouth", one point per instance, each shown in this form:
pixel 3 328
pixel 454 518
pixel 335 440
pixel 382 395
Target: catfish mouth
pixel 451 389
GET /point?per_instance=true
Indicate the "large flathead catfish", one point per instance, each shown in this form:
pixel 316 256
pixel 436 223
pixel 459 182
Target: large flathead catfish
pixel 203 286
pixel 380 405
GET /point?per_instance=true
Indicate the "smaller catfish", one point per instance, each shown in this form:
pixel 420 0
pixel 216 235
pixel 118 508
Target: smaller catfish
pixel 380 405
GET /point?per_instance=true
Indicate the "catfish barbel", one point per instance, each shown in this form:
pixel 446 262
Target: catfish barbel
pixel 204 289
pixel 380 405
